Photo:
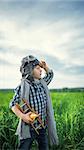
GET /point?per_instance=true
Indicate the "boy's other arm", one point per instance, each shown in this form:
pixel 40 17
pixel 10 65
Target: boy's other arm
pixel 25 117
pixel 16 100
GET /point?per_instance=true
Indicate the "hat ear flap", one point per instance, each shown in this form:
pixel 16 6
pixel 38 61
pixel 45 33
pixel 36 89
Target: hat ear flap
pixel 30 77
pixel 26 63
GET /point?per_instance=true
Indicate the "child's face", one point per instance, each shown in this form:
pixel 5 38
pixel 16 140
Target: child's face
pixel 37 72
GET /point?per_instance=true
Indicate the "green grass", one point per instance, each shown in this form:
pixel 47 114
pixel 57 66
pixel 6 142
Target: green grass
pixel 5 97
pixel 69 116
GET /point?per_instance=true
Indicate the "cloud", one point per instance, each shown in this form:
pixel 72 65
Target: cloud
pixel 53 31
pixel 4 62
pixel 1 36
pixel 74 70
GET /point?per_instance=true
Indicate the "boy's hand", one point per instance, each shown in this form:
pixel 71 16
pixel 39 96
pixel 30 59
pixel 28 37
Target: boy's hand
pixel 26 117
pixel 43 65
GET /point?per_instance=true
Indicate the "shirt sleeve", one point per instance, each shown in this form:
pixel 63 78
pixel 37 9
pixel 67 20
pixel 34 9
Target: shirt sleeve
pixel 48 77
pixel 16 97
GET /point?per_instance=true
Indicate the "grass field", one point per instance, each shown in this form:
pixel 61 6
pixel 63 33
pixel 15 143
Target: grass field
pixel 69 116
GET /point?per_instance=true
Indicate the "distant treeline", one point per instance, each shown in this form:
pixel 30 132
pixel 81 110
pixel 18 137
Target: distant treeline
pixel 77 89
pixel 68 90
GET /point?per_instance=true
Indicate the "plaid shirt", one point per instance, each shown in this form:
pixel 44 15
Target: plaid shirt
pixel 37 96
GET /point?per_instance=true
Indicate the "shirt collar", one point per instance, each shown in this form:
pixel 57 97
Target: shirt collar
pixel 36 81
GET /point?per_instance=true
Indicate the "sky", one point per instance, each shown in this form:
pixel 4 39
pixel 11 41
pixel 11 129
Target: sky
pixel 50 30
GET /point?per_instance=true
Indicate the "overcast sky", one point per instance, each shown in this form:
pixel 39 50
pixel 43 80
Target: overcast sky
pixel 50 30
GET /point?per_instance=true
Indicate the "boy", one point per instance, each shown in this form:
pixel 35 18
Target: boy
pixel 35 91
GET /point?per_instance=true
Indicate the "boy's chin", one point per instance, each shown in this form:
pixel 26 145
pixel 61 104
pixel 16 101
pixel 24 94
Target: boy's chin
pixel 38 78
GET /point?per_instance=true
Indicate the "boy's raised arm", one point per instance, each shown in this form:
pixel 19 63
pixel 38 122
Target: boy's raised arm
pixel 49 73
